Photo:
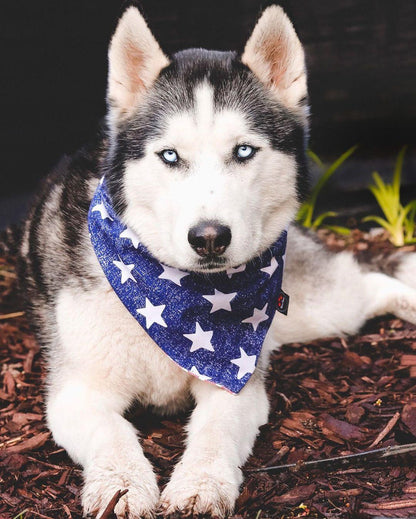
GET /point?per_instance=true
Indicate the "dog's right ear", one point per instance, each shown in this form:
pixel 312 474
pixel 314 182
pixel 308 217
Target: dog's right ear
pixel 135 60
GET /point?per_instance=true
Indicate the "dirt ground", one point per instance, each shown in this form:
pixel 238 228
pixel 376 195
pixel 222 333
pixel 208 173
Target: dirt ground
pixel 328 398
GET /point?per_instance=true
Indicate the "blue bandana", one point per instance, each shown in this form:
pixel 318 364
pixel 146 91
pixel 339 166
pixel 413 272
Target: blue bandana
pixel 213 326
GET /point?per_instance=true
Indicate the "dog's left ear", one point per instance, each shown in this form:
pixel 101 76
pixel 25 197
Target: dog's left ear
pixel 135 60
pixel 275 55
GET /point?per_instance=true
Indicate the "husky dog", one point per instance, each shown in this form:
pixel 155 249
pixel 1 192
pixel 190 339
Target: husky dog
pixel 204 162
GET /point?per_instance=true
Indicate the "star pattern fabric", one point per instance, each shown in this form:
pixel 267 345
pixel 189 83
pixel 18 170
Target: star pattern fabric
pixel 246 364
pixel 152 314
pixel 220 301
pixel 125 271
pixel 200 339
pixel 172 274
pixel 213 326
pixel 130 235
pixel 259 315
pixel 102 210
pixel 271 268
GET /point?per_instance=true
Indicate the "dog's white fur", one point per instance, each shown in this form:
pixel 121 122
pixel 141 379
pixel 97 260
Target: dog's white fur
pixel 107 361
pixel 209 188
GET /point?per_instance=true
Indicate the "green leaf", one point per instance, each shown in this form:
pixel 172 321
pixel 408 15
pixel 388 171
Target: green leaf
pixel 410 223
pixel 372 218
pixel 307 222
pixel 307 209
pixel 409 208
pixel 330 171
pixel 398 171
pixel 315 158
pixel 338 229
pixel 302 212
pixel 319 219
pixel 378 181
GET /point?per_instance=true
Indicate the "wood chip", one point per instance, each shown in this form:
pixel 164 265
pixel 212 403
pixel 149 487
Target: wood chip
pixel 408 360
pixel 33 443
pixel 409 417
pixel 390 424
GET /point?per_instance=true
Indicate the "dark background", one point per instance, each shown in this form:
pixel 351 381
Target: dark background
pixel 361 57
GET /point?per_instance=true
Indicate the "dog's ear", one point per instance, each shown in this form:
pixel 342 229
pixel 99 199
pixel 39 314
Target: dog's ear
pixel 135 60
pixel 275 55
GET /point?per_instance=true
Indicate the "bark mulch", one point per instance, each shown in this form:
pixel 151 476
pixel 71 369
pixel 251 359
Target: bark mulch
pixel 329 398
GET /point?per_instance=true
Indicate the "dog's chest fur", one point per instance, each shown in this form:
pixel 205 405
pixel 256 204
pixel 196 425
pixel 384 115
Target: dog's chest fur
pixel 104 340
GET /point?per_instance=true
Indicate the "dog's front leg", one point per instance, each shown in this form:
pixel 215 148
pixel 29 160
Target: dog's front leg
pixel 221 435
pixel 90 425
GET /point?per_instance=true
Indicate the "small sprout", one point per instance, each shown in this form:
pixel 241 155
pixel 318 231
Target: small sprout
pixel 21 514
pixel 302 511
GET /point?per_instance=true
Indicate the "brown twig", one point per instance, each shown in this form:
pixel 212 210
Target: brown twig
pixel 390 424
pixel 109 510
pixel 393 505
pixel 12 315
pixel 376 454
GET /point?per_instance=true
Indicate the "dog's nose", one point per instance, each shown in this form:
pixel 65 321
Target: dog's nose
pixel 209 238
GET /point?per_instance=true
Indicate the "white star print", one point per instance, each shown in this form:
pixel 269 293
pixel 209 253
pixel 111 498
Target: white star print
pixel 152 313
pixel 271 268
pixel 125 271
pixel 259 315
pixel 172 274
pixel 200 339
pixel 220 301
pixel 130 235
pixel 246 363
pixel 195 372
pixel 235 270
pixel 102 210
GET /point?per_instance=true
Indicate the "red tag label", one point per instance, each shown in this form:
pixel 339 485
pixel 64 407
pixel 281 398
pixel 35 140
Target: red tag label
pixel 282 303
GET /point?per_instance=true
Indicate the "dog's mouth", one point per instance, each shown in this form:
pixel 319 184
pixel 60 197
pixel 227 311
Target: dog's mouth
pixel 212 264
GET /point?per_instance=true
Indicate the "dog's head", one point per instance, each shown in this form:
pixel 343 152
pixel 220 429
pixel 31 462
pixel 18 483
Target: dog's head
pixel 207 150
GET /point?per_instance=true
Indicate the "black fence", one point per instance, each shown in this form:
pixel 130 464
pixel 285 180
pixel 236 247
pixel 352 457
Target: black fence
pixel 361 58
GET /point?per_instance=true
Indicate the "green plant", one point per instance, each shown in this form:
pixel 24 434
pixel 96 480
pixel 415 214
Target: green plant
pixel 399 220
pixel 306 212
pixel 21 514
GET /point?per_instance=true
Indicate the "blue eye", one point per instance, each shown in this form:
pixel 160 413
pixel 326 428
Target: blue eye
pixel 244 152
pixel 169 156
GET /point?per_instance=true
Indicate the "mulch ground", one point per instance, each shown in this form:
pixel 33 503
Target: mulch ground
pixel 328 398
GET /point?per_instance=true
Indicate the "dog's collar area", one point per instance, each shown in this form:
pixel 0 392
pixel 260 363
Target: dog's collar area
pixel 212 325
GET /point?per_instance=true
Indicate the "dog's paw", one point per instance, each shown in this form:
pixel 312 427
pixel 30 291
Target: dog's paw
pixel 140 502
pixel 194 492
